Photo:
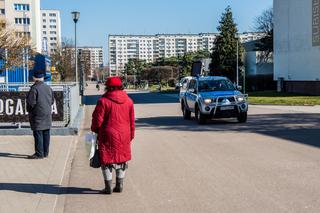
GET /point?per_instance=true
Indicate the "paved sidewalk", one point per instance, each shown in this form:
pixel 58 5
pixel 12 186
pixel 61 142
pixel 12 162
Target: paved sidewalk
pixel 304 109
pixel 32 185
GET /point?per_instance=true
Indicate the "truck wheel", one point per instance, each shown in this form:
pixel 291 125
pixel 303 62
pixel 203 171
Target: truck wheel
pixel 201 118
pixel 186 113
pixel 242 118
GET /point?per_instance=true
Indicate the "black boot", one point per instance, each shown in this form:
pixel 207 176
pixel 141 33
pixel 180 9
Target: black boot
pixel 108 187
pixel 119 185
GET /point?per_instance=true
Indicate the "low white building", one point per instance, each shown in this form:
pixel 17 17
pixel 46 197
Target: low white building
pixel 50 30
pixel 297 45
pixel 256 62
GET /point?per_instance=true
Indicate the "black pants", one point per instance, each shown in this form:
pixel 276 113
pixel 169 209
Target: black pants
pixel 41 142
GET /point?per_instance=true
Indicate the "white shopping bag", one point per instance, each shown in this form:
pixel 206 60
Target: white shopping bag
pixel 90 143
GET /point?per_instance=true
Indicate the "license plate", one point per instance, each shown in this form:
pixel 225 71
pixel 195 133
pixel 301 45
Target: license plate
pixel 227 108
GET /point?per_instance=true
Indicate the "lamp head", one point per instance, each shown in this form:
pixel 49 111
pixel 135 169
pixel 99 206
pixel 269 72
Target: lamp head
pixel 75 16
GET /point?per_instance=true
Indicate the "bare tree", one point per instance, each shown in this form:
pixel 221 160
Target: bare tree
pixel 264 23
pixel 14 46
pixel 63 60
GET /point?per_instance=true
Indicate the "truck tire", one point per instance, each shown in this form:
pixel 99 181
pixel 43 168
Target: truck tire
pixel 201 118
pixel 185 112
pixel 242 118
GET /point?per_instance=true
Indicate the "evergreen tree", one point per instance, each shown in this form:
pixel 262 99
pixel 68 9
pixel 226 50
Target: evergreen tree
pixel 224 53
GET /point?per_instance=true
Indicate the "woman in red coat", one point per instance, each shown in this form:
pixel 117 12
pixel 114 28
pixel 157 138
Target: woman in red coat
pixel 113 121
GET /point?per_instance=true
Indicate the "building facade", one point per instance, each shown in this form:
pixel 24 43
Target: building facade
pixel 23 16
pixel 151 47
pixel 2 9
pixel 95 57
pixel 297 45
pixel 50 31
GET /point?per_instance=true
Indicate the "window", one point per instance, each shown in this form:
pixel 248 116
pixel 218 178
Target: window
pixel 44 26
pixel 53 21
pixel 2 11
pixel 52 14
pixel 43 14
pixel 44 33
pixel 192 85
pixel 53 26
pixel 21 7
pixel 23 34
pixel 53 32
pixel 25 21
pixel 44 21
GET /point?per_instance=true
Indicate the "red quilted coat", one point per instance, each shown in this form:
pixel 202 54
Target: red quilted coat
pixel 113 120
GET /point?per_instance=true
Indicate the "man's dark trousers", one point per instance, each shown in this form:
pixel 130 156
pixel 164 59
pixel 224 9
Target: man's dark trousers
pixel 42 142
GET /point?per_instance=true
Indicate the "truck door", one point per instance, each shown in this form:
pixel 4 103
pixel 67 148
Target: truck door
pixel 191 95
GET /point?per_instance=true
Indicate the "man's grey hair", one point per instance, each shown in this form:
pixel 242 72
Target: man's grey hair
pixel 38 79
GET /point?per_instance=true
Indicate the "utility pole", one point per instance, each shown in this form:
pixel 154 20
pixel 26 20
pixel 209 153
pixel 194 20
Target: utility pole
pixel 237 60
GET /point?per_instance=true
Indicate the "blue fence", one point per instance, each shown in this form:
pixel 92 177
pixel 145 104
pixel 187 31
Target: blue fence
pixel 15 75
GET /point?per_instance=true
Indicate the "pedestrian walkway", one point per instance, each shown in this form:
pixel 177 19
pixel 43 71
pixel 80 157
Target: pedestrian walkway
pixel 32 185
pixel 303 109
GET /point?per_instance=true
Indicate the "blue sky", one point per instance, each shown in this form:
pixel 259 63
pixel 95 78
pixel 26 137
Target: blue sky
pixel 102 17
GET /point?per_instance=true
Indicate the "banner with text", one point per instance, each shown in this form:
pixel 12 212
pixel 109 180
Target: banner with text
pixel 13 107
pixel 315 22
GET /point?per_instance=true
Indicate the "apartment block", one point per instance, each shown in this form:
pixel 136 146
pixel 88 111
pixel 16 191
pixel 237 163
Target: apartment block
pixel 95 55
pixel 151 47
pixel 23 16
pixel 2 9
pixel 50 31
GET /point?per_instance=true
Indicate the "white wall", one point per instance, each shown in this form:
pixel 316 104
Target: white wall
pixel 295 58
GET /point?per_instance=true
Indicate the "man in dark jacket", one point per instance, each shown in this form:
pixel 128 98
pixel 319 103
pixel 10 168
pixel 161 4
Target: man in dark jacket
pixel 39 101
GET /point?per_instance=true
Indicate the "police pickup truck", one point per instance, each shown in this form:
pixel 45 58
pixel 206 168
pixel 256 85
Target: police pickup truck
pixel 212 97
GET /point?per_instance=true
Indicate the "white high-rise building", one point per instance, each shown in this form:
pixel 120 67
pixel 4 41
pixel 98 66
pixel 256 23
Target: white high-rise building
pixel 151 47
pixel 95 56
pixel 50 30
pixel 23 16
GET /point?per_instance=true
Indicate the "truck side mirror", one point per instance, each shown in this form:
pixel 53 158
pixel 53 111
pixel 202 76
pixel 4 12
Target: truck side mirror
pixel 239 87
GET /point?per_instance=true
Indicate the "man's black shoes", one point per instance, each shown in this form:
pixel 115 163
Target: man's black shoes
pixel 34 156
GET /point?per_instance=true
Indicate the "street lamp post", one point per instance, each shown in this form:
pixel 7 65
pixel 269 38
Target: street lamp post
pixel 237 37
pixel 75 16
pixel 244 80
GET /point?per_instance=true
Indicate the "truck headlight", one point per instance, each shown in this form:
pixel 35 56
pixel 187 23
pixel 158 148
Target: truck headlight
pixel 240 98
pixel 207 101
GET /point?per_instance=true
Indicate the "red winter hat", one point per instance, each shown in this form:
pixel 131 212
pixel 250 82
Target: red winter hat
pixel 114 82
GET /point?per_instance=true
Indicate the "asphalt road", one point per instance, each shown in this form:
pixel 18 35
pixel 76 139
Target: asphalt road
pixel 269 164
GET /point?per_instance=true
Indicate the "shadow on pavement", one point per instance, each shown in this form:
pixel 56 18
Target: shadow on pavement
pixel 138 98
pixel 301 128
pixel 11 155
pixel 45 189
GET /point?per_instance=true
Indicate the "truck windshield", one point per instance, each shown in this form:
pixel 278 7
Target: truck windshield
pixel 215 85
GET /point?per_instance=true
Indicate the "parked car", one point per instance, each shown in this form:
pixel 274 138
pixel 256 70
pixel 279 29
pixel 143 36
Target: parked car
pixel 213 97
